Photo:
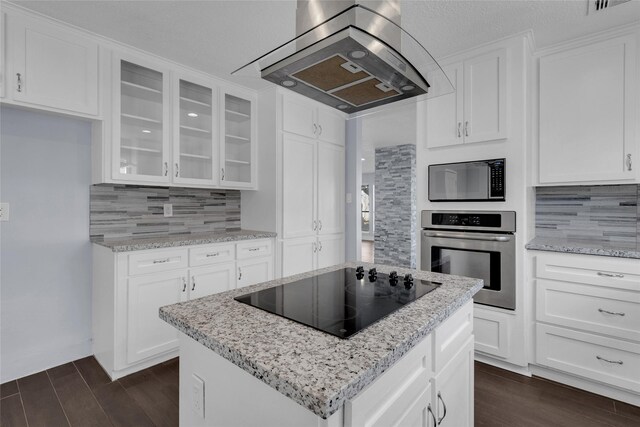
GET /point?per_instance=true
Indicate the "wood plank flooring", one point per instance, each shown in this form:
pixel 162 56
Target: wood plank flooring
pixel 81 394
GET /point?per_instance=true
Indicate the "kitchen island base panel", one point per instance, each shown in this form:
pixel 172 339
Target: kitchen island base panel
pixel 233 397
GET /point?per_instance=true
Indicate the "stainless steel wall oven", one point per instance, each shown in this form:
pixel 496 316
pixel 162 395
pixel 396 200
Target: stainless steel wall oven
pixel 479 244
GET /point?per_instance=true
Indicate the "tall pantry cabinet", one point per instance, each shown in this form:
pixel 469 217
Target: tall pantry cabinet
pixel 302 178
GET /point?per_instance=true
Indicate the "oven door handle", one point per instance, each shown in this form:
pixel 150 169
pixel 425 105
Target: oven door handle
pixel 467 236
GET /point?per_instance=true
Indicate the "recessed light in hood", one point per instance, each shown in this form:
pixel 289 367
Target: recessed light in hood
pixel 351 56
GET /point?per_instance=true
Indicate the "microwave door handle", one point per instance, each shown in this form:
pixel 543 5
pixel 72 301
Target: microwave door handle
pixel 468 237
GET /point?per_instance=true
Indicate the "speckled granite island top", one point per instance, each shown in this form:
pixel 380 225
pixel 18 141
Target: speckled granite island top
pixel 317 370
pixel 143 243
pixel 584 247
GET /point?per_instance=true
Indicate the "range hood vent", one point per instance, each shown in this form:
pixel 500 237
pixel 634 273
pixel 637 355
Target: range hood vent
pixel 352 56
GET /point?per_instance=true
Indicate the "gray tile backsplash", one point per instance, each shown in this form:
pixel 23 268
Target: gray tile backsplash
pixel 603 213
pixel 129 210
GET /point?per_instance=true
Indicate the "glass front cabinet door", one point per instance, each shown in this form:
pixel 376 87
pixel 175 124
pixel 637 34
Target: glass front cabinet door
pixel 238 139
pixel 141 123
pixel 195 148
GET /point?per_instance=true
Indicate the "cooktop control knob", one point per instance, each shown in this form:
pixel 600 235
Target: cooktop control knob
pixel 373 275
pixel 359 269
pixel 408 281
pixel 393 278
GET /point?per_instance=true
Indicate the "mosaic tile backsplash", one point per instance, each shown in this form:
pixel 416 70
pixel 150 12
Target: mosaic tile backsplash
pixel 119 211
pixel 603 213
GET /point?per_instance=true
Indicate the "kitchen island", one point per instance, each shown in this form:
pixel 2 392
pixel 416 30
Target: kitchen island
pixel 243 366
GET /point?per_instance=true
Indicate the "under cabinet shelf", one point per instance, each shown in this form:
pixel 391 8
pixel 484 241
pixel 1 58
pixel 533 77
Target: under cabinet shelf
pixel 146 150
pixel 193 101
pixel 195 156
pixel 235 116
pixel 239 138
pixel 189 128
pixel 140 87
pixel 141 119
pixel 237 162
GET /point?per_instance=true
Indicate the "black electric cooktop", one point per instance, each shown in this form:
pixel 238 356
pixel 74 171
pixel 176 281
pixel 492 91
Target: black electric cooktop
pixel 341 302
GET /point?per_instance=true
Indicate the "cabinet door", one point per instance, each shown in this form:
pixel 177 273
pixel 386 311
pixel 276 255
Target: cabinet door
pixel 453 390
pixel 330 250
pixel 299 255
pixel 298 187
pixel 147 334
pixel 331 191
pixel 238 139
pixel 298 116
pixel 444 113
pixel 331 126
pixel 212 280
pixel 588 113
pixel 252 271
pixel 141 118
pixel 485 97
pixel 52 67
pixel 195 133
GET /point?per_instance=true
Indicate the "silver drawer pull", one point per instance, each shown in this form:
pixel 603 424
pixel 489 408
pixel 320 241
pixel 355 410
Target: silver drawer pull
pixel 618 276
pixel 161 261
pixel 617 362
pixel 610 312
pixel 253 249
pixel 212 254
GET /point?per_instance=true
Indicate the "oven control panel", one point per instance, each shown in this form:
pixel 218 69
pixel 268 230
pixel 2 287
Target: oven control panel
pixel 496 179
pixel 467 220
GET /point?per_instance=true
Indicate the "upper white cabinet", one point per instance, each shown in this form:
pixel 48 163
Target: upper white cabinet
pixel 195 126
pixel 141 117
pixel 238 138
pixel 51 67
pixel 477 110
pixel 308 118
pixel 588 113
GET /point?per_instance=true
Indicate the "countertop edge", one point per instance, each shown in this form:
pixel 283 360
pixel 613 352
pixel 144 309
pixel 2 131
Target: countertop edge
pixel 326 408
pixel 575 248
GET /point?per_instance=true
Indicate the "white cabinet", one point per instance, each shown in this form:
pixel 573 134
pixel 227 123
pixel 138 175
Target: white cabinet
pixel 238 139
pixel 331 190
pixel 588 113
pixel 299 191
pixel 310 119
pixel 129 288
pixel 310 253
pixel 477 110
pixel 330 250
pixel 195 132
pixel 50 66
pixel 587 315
pixel 147 334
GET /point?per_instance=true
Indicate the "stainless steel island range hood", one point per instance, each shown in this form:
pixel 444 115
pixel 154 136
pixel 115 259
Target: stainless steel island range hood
pixel 351 55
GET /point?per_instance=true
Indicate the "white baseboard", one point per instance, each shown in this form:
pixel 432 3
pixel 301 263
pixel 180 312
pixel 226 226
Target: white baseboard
pixel 522 370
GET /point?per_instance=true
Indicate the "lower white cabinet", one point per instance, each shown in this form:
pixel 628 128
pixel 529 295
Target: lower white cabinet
pixel 309 253
pixel 587 320
pixel 129 289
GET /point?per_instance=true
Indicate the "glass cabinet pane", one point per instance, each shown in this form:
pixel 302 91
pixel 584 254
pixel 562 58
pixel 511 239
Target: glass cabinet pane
pixel 196 131
pixel 237 139
pixel 141 112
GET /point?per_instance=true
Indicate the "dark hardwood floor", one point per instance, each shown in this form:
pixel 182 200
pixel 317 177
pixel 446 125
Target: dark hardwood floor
pixel 81 394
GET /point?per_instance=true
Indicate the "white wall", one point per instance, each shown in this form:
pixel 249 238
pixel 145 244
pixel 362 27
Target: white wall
pixel 45 257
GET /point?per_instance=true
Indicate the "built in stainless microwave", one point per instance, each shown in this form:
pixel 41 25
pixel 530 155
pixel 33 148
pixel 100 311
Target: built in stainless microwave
pixel 477 181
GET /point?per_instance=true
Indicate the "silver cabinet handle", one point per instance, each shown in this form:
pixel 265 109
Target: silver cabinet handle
pixel 320 127
pixel 184 284
pixel 166 168
pixel 177 170
pixel 315 128
pixel 628 162
pixel 466 128
pixel 254 249
pixel 315 225
pixel 444 407
pixel 433 417
pixel 319 225
pixel 459 129
pixel 467 236
pixel 617 362
pixel 315 247
pixel 617 276
pixel 193 283
pixel 19 88
pixel 223 174
pixel 239 273
pixel 611 312
pixel 319 246
pixel 161 261
pixel 212 254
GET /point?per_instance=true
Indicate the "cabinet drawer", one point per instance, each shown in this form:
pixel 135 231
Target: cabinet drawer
pixel 153 262
pixel 206 255
pixel 593 308
pixel 492 331
pixel 589 269
pixel 254 249
pixel 451 335
pixel 597 358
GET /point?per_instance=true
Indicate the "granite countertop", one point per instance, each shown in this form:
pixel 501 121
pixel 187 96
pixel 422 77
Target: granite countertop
pixel 141 243
pixel 317 370
pixel 585 247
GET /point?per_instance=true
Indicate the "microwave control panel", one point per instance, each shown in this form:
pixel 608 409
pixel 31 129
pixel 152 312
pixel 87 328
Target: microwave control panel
pixel 496 178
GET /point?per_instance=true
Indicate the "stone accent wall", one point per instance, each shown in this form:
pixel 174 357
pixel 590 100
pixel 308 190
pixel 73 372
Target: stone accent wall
pixel 119 211
pixel 395 206
pixel 603 213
